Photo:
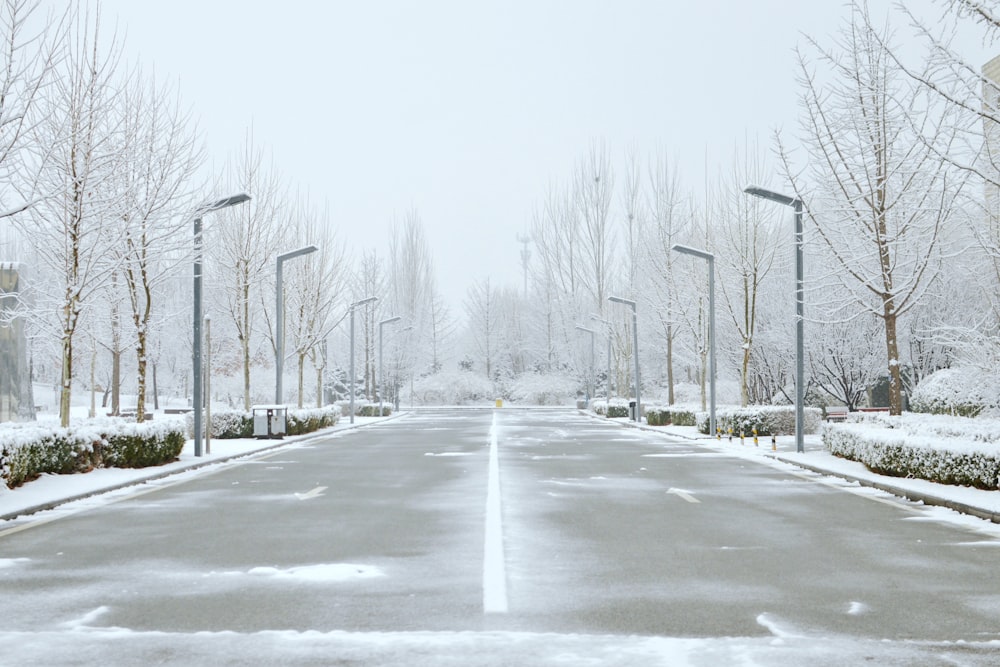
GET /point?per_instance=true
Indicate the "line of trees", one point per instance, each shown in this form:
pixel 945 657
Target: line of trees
pixel 102 168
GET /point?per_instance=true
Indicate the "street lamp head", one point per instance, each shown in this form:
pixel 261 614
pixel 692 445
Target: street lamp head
pixel 582 328
pixel 223 203
pixel 618 299
pixel 764 193
pixel 363 301
pixel 391 320
pixel 297 253
pixel 687 250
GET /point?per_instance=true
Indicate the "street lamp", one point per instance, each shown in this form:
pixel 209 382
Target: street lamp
pixel 635 344
pixel 381 379
pixel 196 343
pixel 279 319
pixel 608 326
pixel 590 379
pixel 353 306
pixel 711 325
pixel 800 385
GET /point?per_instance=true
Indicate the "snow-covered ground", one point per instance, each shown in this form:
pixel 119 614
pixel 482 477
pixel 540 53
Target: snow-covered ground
pixel 53 490
pixel 83 641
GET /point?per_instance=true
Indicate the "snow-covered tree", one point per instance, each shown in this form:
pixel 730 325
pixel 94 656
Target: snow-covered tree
pixel 881 199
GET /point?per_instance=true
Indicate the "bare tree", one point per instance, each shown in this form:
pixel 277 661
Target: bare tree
pixel 747 242
pixel 160 155
pixel 668 222
pixel 595 181
pixel 78 139
pixel 33 47
pixel 882 200
pixel 243 247
pixel 483 311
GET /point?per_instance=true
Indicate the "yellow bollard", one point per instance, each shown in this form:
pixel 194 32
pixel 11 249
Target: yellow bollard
pixel 743 441
pixel 499 402
pixel 730 434
pixel 755 443
pixel 774 444
pixel 718 433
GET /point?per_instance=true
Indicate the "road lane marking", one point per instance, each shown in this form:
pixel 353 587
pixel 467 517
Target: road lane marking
pixel 684 494
pixel 312 493
pixel 494 570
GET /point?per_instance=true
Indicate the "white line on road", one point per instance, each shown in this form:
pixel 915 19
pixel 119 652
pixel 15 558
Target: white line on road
pixel 312 493
pixel 684 494
pixel 494 570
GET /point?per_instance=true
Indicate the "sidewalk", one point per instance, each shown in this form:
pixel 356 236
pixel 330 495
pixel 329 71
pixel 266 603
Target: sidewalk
pixel 815 458
pixel 49 491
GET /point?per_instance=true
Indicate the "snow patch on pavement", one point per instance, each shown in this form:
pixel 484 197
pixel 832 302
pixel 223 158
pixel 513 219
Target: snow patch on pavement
pixel 321 573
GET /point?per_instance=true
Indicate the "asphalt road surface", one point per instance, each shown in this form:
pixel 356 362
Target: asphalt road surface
pixel 505 537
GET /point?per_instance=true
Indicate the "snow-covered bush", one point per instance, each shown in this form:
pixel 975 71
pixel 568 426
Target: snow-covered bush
pixel 767 419
pixel 544 389
pixel 675 415
pixel 939 449
pixel 453 388
pixel 656 415
pixel 308 420
pixel 958 391
pixel 29 450
pixel 230 424
pixel 617 408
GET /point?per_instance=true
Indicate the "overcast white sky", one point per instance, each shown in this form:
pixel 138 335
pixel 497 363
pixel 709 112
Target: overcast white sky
pixel 465 111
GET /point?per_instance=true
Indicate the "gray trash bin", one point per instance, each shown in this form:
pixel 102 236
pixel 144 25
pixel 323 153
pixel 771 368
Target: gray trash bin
pixel 631 411
pixel 269 421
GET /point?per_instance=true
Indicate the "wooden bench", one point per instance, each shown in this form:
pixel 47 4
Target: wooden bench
pixel 177 411
pixel 873 409
pixel 836 414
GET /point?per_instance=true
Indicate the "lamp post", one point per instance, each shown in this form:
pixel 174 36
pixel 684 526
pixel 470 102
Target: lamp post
pixel 608 326
pixel 381 379
pixel 711 325
pixel 353 306
pixel 635 345
pixel 590 376
pixel 800 384
pixel 279 319
pixel 196 343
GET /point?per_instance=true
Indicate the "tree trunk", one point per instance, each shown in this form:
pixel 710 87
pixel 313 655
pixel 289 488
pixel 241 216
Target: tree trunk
pixel 302 364
pixel 892 350
pixel 66 380
pixel 670 365
pixel 116 381
pixel 140 398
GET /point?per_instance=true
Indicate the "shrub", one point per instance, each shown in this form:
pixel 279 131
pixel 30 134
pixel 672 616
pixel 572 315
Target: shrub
pixel 27 451
pixel 308 420
pixel 544 389
pixel 956 391
pixel 767 419
pixel 657 416
pixel 915 449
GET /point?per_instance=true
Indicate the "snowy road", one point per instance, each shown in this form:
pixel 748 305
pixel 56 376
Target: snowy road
pixel 499 538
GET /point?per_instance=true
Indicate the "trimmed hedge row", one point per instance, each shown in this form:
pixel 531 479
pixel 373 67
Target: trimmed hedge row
pixel 618 407
pixel 890 451
pixel 767 419
pixel 229 424
pixel 670 416
pixel 27 451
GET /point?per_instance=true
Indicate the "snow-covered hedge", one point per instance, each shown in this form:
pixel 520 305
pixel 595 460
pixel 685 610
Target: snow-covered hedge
pixel 767 419
pixel 940 449
pixel 544 389
pixel 229 424
pixel 453 388
pixel 675 415
pixel 618 407
pixel 29 450
pixel 957 391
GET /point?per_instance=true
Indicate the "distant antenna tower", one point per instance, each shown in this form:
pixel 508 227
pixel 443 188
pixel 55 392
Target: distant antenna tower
pixel 524 240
